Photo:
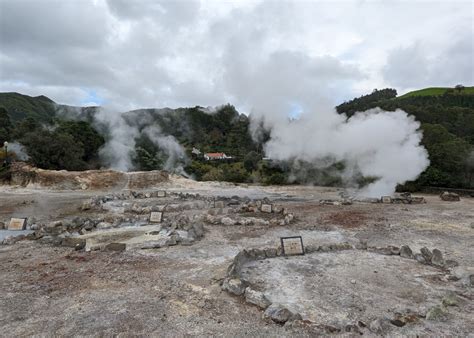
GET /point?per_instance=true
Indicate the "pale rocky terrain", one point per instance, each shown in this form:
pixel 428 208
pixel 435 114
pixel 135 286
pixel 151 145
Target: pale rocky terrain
pixel 166 278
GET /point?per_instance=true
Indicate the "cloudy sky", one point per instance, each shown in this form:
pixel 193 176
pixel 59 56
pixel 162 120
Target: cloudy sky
pixel 144 53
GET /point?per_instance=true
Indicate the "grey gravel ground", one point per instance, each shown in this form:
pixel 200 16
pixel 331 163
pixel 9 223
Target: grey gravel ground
pixel 175 291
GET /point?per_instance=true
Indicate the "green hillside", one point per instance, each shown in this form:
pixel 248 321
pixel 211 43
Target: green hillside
pixel 446 116
pixel 436 91
pixel 20 106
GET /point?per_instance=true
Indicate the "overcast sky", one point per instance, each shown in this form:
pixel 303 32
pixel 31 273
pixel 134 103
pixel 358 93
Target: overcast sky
pixel 144 53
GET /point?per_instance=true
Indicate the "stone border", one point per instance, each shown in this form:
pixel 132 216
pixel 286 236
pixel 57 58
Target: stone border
pixel 234 284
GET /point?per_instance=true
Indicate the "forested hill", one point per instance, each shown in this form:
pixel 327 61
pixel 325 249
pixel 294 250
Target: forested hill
pixel 21 106
pixel 221 130
pixel 446 114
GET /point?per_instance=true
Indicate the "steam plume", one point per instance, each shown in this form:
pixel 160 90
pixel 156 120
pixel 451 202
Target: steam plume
pixel 375 143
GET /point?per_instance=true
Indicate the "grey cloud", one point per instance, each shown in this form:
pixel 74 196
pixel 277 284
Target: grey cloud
pixel 418 66
pixel 139 53
pixel 30 24
pixel 171 14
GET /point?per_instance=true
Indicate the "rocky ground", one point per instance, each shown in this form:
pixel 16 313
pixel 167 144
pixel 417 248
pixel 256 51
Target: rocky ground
pixel 166 279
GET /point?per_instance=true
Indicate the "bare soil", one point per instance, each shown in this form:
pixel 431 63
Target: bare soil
pixel 175 291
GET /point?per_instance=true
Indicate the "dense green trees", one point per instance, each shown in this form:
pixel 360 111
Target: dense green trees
pixel 54 142
pixel 54 150
pixel 5 126
pixel 362 103
pixel 83 133
pixel 70 145
pixel 147 155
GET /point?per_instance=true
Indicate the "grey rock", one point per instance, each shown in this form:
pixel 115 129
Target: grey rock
pixel 53 240
pixel 379 325
pixel 115 247
pixel 256 254
pixel 395 250
pixel 2 225
pixel 450 196
pixel 451 299
pixel 471 280
pixel 270 252
pixel 352 328
pixel 437 313
pixel 427 254
pixel 104 225
pixel 74 242
pixel 406 252
pixel 311 248
pixel 55 224
pixel 437 258
pixel 234 286
pixel 420 258
pixel 9 240
pixel 280 314
pixel 87 205
pixel 227 221
pixel 324 248
pixel 450 263
pixel 172 240
pixel 256 298
pixel 383 251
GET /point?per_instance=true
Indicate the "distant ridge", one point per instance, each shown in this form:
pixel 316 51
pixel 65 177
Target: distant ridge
pixel 436 91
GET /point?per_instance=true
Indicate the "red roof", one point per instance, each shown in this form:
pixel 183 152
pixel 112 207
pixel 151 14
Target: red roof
pixel 215 154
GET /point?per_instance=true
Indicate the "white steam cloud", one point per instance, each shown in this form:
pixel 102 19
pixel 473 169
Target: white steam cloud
pixel 122 130
pixel 375 143
pixel 18 150
pixel 174 151
pixel 120 145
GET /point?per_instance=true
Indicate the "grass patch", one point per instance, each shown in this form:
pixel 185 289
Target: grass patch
pixel 436 91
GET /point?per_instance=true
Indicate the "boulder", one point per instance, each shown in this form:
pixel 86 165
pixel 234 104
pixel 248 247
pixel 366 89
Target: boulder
pixel 270 252
pixel 450 263
pixel 256 298
pixel 427 254
pixel 437 258
pixel 104 225
pixel 450 197
pixel 310 248
pixel 227 221
pixel 280 314
pixel 74 242
pixel 420 258
pixel 395 250
pixel 197 230
pixel 383 251
pixel 437 313
pixel 451 299
pixel 406 252
pixel 87 205
pixel 234 286
pixel 55 224
pixel 115 247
